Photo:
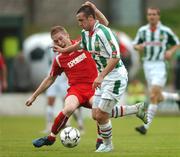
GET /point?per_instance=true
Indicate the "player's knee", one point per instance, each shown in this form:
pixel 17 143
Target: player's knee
pixel 101 116
pixel 51 101
pixel 94 114
pixel 155 95
pixel 68 111
pixel 94 117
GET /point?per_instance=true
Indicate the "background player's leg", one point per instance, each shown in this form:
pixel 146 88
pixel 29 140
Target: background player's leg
pixel 49 113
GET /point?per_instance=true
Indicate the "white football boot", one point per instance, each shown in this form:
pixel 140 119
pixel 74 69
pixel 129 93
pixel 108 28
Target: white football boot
pixel 104 148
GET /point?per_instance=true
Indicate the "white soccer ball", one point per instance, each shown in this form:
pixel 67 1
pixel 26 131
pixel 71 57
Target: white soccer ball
pixel 70 137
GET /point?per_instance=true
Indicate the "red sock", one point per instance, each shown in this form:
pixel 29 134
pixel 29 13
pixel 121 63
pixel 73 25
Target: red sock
pixel 51 138
pixel 59 123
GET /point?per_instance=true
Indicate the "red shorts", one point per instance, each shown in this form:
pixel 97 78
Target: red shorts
pixel 83 92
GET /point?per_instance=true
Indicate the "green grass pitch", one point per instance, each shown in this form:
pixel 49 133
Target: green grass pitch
pixel 162 140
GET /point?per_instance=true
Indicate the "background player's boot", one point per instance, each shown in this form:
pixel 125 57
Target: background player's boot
pixel 47 140
pixel 142 112
pixel 141 129
pixel 178 101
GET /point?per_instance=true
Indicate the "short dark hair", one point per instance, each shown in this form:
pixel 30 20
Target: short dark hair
pixel 155 8
pixel 87 10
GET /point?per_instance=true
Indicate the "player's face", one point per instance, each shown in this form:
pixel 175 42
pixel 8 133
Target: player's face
pixel 152 16
pixel 61 39
pixel 83 21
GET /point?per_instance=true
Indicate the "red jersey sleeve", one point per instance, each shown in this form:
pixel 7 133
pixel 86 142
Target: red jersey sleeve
pixel 55 68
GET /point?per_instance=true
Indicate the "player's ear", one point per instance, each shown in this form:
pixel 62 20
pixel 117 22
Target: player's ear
pixel 90 17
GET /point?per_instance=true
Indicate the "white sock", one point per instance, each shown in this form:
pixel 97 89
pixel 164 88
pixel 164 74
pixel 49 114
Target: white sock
pixel 68 123
pixel 152 108
pixel 123 110
pixel 171 96
pixel 79 118
pixel 49 116
pixel 106 132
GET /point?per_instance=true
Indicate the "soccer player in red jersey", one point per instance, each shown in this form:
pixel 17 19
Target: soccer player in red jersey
pixel 81 72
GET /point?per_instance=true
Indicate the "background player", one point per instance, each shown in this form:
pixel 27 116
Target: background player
pixel 154 40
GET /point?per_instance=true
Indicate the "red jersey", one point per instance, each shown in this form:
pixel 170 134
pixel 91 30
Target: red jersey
pixel 78 66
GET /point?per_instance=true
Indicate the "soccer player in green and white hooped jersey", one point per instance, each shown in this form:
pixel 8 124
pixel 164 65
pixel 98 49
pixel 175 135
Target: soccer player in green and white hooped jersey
pixel 158 43
pixel 112 78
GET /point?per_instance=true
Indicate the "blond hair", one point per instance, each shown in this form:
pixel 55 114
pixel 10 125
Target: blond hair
pixel 56 29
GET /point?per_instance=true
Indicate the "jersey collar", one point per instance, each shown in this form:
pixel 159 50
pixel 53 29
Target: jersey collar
pixel 94 28
pixel 155 28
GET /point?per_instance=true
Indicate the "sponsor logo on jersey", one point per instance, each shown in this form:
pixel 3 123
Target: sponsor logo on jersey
pixel 76 60
pixel 153 43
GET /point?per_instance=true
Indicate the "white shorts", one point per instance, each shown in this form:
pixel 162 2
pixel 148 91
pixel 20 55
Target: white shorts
pixel 109 94
pixel 58 88
pixel 155 73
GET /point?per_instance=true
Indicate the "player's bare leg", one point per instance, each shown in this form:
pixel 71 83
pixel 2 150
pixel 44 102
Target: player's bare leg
pixel 71 104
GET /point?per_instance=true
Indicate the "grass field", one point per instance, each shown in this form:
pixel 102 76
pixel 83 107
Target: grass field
pixel 162 140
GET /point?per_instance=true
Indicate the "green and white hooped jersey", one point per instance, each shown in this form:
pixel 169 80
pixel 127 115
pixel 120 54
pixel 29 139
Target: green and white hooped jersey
pixel 103 45
pixel 156 42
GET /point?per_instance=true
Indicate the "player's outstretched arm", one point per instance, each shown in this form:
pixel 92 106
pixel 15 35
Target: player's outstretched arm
pixel 69 49
pixel 47 82
pixel 99 15
pixel 109 67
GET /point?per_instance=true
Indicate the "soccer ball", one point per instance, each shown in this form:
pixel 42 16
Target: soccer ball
pixel 70 137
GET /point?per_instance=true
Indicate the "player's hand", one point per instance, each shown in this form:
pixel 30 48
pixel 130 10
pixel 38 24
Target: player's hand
pixel 58 49
pixel 30 100
pixel 168 55
pixel 97 82
pixel 90 4
pixel 139 47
